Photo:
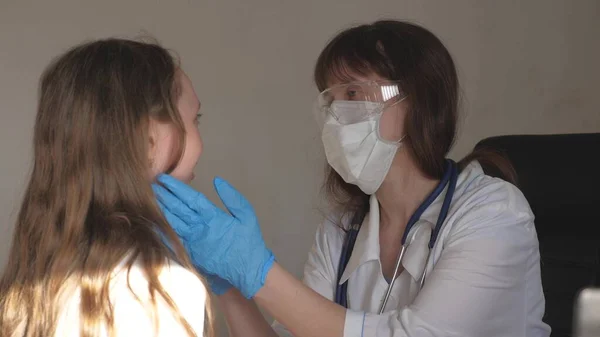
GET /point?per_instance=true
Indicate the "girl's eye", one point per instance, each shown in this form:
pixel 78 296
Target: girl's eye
pixel 197 120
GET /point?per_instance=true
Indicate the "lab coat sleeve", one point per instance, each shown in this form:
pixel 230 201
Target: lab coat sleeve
pixel 320 269
pixel 476 288
pixel 136 316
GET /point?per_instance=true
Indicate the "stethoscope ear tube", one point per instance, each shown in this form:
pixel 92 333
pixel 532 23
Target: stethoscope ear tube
pixel 453 167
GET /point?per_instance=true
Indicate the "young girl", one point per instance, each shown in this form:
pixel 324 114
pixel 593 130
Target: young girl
pixel 92 254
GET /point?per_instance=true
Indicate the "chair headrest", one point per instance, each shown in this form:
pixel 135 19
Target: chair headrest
pixel 559 175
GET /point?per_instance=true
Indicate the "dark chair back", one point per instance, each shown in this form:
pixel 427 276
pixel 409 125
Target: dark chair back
pixel 560 177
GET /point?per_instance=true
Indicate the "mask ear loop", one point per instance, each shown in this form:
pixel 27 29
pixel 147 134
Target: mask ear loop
pixel 399 141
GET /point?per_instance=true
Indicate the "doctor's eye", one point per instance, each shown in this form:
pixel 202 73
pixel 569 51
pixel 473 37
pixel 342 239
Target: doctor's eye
pixel 354 93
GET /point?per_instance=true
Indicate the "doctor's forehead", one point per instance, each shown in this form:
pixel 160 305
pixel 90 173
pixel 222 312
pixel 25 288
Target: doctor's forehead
pixel 352 77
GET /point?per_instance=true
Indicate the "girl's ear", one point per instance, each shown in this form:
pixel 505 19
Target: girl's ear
pixel 152 144
pixel 162 140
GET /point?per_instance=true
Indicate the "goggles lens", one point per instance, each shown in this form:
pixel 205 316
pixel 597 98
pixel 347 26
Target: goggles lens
pixel 357 101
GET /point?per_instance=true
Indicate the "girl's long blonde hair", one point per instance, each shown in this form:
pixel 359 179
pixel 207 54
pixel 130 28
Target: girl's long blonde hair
pixel 89 201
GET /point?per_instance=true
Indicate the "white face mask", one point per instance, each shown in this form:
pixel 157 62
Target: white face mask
pixel 355 151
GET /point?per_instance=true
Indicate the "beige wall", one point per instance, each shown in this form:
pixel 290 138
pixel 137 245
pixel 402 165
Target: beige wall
pixel 526 67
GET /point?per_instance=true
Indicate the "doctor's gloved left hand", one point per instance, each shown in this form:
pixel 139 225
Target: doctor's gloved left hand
pixel 222 245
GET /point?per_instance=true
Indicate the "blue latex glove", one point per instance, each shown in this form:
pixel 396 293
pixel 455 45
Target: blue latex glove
pixel 229 246
pixel 218 285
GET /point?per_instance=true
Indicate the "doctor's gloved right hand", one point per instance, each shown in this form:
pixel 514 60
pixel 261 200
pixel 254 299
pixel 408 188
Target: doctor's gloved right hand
pixel 230 245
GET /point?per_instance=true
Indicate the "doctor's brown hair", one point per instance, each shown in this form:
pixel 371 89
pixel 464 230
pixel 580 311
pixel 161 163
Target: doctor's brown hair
pixel 89 202
pixel 418 60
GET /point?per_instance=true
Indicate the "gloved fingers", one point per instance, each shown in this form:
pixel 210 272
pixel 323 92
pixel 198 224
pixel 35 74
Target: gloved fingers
pixel 193 216
pixel 179 226
pixel 174 205
pixel 235 201
pixel 190 197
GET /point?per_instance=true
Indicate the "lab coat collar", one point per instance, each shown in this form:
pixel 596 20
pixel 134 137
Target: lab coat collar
pixel 367 247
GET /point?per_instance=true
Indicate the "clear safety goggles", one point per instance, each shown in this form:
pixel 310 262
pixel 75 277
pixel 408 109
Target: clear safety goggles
pixel 355 102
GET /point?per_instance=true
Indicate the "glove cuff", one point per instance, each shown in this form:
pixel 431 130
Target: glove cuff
pixel 266 267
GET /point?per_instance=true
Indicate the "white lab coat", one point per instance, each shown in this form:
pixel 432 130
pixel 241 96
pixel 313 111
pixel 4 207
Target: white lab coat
pixel 133 311
pixel 483 274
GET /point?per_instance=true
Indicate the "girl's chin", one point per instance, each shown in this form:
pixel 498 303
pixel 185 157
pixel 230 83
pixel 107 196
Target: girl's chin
pixel 186 179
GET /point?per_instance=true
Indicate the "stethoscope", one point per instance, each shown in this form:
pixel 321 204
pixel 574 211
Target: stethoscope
pixel 449 179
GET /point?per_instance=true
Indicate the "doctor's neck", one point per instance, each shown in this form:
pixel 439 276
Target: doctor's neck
pixel 404 188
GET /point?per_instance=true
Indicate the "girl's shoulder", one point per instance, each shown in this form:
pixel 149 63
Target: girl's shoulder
pixel 138 312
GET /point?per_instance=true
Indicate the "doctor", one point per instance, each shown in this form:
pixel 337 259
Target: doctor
pixel 417 245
